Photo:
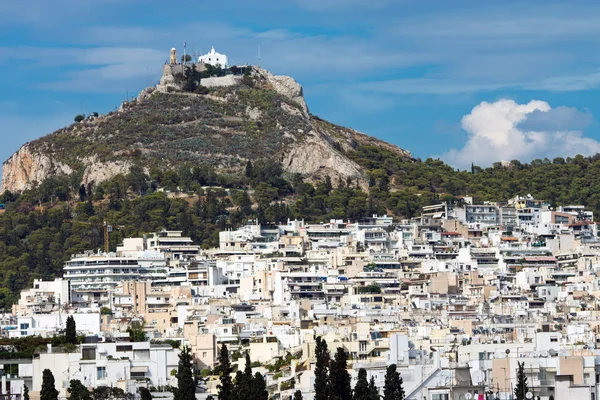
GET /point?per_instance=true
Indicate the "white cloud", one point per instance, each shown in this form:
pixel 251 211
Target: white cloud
pixel 501 131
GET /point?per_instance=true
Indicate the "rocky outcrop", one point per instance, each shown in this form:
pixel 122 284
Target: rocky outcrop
pixel 285 86
pixel 315 155
pixel 26 168
pixel 96 172
pixel 266 118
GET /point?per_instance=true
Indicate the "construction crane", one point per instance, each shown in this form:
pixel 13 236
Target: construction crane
pixel 106 228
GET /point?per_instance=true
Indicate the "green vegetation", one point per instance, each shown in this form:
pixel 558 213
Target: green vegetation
pixel 372 288
pixel 224 370
pixel 186 384
pixel 71 330
pixel 35 241
pixel 77 391
pixel 522 387
pixel 136 332
pixel 339 378
pixel 322 370
pixel 48 391
pixel 392 389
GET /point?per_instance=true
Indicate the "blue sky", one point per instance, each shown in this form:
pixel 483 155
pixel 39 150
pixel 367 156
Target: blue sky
pixel 465 81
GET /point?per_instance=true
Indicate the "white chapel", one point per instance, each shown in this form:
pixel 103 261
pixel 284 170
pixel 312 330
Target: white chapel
pixel 213 58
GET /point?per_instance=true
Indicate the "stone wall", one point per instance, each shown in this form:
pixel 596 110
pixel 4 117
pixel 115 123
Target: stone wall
pixel 227 80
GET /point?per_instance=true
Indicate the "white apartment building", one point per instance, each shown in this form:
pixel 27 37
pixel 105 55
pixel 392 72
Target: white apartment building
pixel 125 365
pixel 43 297
pixel 92 275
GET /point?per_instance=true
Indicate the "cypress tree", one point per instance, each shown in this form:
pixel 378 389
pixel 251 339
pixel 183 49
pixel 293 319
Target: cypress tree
pixel 339 378
pixel 298 395
pixel 321 370
pixel 145 394
pixel 48 391
pixel 258 390
pixel 240 389
pixel 249 170
pixel 522 388
pixel 243 380
pixel 224 369
pixel 361 389
pixel 373 390
pixel 71 330
pixel 186 385
pixel 77 391
pixel 25 392
pixel 392 389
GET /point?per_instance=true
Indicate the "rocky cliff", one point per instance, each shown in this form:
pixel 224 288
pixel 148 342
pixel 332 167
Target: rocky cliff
pixel 235 119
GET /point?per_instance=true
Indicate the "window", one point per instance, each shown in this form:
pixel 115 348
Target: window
pixel 204 354
pixel 553 339
pixel 138 375
pixel 439 396
pixel 101 372
pixel 88 353
pixel 124 347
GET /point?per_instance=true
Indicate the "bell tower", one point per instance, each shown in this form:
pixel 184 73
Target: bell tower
pixel 173 57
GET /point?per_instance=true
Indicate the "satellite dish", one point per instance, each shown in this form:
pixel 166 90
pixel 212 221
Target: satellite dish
pixel 499 354
pixel 544 353
pixel 552 352
pixel 478 377
pixel 119 376
pixel 468 396
pixel 529 395
pixel 507 351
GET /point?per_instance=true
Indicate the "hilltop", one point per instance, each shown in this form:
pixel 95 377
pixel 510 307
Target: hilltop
pixel 222 121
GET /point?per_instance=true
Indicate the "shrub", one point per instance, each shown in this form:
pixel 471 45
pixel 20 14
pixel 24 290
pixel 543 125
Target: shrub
pixel 202 90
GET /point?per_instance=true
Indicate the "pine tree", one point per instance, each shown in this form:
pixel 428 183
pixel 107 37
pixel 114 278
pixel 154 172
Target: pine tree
pixel 71 330
pixel 522 388
pixel 224 369
pixel 392 389
pixel 258 390
pixel 322 370
pixel 48 391
pixel 339 378
pixel 373 390
pixel 25 392
pixel 298 395
pixel 361 389
pixel 186 385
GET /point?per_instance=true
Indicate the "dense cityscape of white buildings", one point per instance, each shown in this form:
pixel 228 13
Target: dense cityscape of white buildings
pixel 455 298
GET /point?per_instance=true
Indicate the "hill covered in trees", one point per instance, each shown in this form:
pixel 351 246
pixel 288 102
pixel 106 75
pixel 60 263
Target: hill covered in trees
pixel 42 227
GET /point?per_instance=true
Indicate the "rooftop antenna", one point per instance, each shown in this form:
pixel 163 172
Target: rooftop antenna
pixel 259 55
pixel 184 47
pixel 59 314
